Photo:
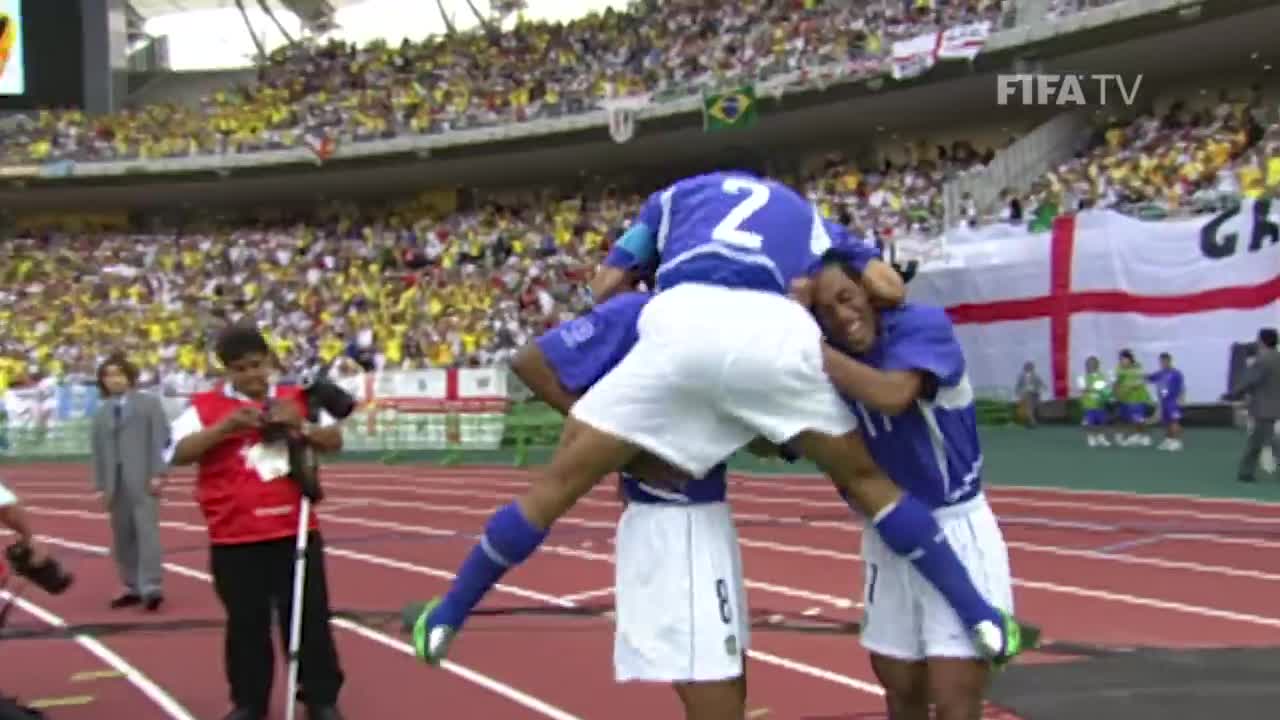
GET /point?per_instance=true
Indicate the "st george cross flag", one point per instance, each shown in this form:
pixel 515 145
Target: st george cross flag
pixel 1100 282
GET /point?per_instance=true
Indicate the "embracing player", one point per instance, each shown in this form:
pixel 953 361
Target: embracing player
pixel 911 391
pixel 723 356
pixel 681 610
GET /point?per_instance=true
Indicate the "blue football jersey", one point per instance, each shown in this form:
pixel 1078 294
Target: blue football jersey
pixel 585 349
pixel 733 230
pixel 1169 384
pixel 931 450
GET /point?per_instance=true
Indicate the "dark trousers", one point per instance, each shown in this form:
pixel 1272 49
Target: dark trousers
pixel 1263 433
pixel 253 580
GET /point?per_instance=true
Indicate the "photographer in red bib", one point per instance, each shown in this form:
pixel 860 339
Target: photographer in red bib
pixel 238 437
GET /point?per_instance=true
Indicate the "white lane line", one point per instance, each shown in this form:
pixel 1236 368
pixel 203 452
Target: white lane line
pixel 764 657
pixel 493 685
pixel 587 595
pixel 145 685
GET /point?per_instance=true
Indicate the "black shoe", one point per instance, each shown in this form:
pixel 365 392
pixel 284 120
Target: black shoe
pixel 128 599
pixel 323 712
pixel 245 714
pixel 153 602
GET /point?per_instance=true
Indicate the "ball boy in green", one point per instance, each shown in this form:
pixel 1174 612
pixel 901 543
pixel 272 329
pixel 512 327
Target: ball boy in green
pixel 1095 396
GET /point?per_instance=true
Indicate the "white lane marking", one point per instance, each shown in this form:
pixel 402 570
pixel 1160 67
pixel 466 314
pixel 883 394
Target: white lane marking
pixel 495 686
pixel 145 685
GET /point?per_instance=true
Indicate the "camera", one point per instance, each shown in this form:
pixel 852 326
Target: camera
pixel 274 432
pixel 322 395
pixel 49 575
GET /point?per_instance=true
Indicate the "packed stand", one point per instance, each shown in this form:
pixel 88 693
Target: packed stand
pixel 1184 160
pixel 407 288
pixel 306 95
pixel 404 286
pixel 897 200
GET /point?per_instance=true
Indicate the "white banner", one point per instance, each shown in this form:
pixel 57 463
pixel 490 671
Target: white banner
pixel 430 384
pixel 1102 282
pixel 482 383
pixel 26 407
pixel 915 56
pixel 964 42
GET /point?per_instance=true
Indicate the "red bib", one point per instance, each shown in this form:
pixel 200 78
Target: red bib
pixel 239 504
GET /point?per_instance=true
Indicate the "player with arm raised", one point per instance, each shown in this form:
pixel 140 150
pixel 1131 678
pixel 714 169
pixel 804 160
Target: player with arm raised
pixel 678 586
pixel 909 387
pixel 723 356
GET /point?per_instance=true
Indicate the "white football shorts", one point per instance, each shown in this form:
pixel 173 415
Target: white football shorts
pixel 679 595
pixel 905 617
pixel 714 368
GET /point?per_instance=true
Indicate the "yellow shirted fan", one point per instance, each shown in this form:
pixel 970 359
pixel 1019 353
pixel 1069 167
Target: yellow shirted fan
pixel 8 31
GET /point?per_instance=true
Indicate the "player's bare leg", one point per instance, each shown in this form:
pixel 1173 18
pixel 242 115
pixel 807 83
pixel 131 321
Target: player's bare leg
pixel 514 532
pixel 721 700
pixel 906 687
pixel 956 687
pixel 582 460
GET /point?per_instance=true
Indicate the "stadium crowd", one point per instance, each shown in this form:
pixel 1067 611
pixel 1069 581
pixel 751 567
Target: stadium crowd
pixel 412 285
pixel 1185 159
pixel 306 94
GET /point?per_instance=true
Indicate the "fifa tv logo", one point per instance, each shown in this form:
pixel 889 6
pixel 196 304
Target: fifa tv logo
pixel 1077 89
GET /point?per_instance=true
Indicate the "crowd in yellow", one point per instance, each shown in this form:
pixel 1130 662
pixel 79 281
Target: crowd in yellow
pixel 426 284
pixel 405 286
pixel 1182 160
pixel 470 79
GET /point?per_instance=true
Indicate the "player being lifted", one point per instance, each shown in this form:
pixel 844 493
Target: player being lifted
pixel 723 356
pixel 681 613
pixel 909 387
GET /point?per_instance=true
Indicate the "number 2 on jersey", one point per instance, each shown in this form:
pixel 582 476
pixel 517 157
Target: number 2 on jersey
pixel 730 231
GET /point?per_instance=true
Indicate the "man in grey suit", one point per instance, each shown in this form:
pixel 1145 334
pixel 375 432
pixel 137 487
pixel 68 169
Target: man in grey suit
pixel 1261 383
pixel 130 432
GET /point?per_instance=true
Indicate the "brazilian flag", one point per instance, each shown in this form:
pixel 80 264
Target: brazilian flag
pixel 729 110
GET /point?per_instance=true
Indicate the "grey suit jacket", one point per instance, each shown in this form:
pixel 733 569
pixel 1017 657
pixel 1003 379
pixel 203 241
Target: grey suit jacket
pixel 1261 382
pixel 129 452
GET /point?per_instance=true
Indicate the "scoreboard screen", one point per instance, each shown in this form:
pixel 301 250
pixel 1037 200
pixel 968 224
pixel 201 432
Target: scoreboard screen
pixel 13 61
pixel 41 54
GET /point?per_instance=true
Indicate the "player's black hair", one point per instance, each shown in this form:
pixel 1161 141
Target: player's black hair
pixel 1165 356
pixel 832 257
pixel 1268 337
pixel 1127 354
pixel 239 341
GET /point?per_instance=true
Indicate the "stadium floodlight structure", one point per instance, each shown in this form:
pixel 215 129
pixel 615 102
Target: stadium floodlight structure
pixel 316 16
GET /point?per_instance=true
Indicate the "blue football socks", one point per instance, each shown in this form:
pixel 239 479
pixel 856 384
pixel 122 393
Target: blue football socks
pixel 909 528
pixel 508 540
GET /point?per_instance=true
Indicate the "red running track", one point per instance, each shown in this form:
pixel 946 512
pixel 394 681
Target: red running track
pixel 1104 568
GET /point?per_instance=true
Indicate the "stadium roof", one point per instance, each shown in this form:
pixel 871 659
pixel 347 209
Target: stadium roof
pixel 154 8
pixel 212 34
pixel 315 15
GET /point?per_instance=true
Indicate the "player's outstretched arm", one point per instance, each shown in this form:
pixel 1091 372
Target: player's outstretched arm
pixel 635 254
pixel 889 392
